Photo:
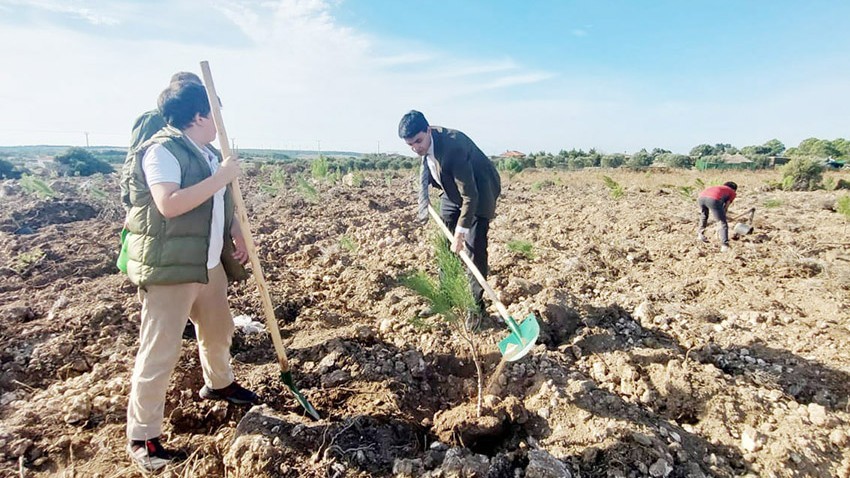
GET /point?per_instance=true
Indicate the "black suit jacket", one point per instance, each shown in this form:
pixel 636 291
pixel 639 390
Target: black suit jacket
pixel 468 176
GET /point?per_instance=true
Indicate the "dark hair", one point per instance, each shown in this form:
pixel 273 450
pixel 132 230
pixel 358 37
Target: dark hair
pixel 180 102
pixel 185 77
pixel 411 124
pixel 731 185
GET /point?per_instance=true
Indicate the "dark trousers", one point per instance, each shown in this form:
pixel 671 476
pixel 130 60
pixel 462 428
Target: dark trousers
pixel 718 209
pixel 476 244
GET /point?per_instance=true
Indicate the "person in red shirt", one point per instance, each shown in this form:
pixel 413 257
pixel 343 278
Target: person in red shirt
pixel 717 200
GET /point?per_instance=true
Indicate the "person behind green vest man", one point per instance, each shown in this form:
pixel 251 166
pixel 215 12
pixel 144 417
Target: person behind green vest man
pixel 146 125
pixel 183 244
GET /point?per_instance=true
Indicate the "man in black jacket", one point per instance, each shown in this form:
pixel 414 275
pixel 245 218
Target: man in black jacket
pixel 469 182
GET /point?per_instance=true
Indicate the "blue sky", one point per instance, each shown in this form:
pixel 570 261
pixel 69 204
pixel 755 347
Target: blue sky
pixel 338 74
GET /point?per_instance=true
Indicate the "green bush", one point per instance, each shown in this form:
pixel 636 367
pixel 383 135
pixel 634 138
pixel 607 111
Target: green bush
pixel 8 170
pixel 540 185
pixel 612 160
pixel 511 165
pixel 802 174
pixel 675 160
pixel 829 184
pixel 80 162
pixel 639 160
pixel 111 156
pixel 544 161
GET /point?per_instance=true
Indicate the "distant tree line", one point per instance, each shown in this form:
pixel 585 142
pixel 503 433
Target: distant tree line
pixel 73 162
pixel 111 156
pixel 84 162
pixel 343 165
pixel 812 148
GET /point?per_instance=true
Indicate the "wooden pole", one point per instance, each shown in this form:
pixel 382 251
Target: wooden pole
pixel 242 216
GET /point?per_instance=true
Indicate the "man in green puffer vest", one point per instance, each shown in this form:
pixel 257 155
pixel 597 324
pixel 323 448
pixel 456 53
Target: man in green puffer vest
pixel 146 125
pixel 183 244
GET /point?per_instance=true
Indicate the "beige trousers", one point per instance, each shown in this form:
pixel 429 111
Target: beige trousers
pixel 165 309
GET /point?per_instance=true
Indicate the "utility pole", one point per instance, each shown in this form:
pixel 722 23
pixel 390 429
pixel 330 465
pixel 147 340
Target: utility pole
pixel 87 138
pixel 379 146
pixel 319 148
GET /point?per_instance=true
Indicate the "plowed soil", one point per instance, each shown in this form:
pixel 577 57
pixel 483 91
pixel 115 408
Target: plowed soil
pixel 659 355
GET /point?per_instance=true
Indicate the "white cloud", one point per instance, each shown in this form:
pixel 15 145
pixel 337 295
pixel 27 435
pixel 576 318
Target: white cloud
pixel 343 86
pixel 403 59
pixel 442 68
pixel 74 8
pixel 513 80
pixel 303 78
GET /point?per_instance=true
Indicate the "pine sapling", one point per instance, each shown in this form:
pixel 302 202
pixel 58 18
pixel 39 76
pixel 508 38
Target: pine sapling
pixel 36 186
pixel 616 189
pixel 523 248
pixel 449 297
pixel 307 190
pixel 843 208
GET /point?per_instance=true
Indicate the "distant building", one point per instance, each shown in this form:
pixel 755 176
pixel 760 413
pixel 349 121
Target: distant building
pixel 736 158
pixel 774 161
pixel 512 154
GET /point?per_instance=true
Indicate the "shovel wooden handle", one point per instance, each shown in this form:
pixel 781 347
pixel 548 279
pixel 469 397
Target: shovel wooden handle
pixel 751 211
pixel 242 216
pixel 471 265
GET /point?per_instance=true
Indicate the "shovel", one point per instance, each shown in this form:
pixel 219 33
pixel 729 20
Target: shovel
pixel 746 227
pixel 242 214
pixel 524 334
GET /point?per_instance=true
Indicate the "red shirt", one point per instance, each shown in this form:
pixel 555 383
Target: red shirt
pixel 721 193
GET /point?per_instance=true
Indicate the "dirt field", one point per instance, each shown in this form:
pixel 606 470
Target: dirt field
pixel 659 356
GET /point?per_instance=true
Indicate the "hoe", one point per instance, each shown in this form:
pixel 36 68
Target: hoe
pixel 242 214
pixel 524 334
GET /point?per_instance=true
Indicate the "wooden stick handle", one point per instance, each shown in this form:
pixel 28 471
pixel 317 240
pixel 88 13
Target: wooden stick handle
pixel 242 216
pixel 751 211
pixel 471 265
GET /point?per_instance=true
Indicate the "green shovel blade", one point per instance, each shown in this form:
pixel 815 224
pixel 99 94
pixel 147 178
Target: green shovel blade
pixel 522 339
pixel 286 378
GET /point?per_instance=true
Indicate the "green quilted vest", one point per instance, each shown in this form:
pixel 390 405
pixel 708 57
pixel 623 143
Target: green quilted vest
pixel 174 251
